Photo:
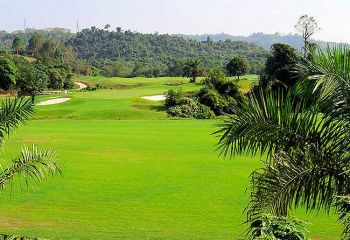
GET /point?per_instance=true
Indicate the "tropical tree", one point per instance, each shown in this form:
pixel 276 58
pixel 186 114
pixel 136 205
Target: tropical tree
pixel 238 66
pixel 192 69
pixel 280 67
pixel 35 44
pixel 8 73
pixel 33 80
pixel 307 154
pixel 18 45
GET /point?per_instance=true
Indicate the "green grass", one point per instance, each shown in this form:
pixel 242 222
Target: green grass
pixel 132 173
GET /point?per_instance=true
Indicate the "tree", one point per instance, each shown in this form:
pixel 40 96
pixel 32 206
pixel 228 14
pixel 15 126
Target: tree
pixel 307 154
pixel 108 26
pixel 192 70
pixel 280 67
pixel 18 45
pixel 307 26
pixel 119 29
pixel 238 66
pixel 33 80
pixel 8 73
pixel 35 43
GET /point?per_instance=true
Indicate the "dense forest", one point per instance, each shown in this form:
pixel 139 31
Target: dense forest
pixel 154 50
pixel 261 39
pixel 126 53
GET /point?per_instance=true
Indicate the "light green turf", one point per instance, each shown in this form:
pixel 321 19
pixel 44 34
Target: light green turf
pixel 143 176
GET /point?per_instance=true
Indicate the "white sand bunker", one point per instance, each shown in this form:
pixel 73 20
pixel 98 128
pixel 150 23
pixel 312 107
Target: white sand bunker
pixel 53 101
pixel 155 98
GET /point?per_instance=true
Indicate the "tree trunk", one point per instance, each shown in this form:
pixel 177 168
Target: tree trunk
pixel 193 80
pixel 33 98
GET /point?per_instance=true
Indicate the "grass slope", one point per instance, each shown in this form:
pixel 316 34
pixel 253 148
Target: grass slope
pixel 142 177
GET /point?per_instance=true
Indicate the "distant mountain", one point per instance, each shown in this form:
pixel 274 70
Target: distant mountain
pixel 261 39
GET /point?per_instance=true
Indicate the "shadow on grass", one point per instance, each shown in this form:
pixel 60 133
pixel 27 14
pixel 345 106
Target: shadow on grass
pixel 161 108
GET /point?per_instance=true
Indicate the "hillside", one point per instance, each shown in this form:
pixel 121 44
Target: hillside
pixel 161 50
pixel 263 40
pixel 59 34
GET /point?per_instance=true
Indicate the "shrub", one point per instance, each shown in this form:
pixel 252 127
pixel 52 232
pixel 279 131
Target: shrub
pixel 190 108
pixel 270 227
pixel 173 97
pixel 204 112
pixel 213 100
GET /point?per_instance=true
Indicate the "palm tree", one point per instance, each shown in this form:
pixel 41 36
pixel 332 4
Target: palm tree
pixel 32 164
pixel 307 152
pixel 192 70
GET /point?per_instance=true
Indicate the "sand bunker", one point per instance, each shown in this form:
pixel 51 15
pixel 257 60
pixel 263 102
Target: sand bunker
pixel 155 98
pixel 53 101
pixel 81 85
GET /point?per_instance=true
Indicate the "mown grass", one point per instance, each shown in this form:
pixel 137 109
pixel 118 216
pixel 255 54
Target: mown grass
pixel 132 173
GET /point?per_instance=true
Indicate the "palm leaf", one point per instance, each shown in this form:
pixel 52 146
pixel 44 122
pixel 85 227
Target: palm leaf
pixel 33 163
pixel 14 112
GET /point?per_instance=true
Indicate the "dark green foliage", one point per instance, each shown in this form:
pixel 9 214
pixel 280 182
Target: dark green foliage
pixel 18 45
pixel 158 55
pixel 212 99
pixel 35 43
pixel 269 227
pixel 173 97
pixel 192 69
pixel 216 97
pixel 60 77
pixel 190 108
pixel 33 79
pixel 8 73
pixel 217 80
pixel 238 67
pixel 158 51
pixel 279 71
pixel 342 205
pixel 219 93
pixel 176 68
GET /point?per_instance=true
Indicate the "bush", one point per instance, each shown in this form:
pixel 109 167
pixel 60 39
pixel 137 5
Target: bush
pixel 213 100
pixel 190 108
pixel 204 112
pixel 173 97
pixel 275 228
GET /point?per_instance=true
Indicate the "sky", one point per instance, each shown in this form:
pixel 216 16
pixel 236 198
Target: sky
pixel 236 17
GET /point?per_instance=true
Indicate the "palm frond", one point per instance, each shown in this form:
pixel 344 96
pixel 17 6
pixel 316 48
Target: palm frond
pixel 342 205
pixel 310 176
pixel 14 237
pixel 14 112
pixel 33 163
pixel 267 123
pixel 329 70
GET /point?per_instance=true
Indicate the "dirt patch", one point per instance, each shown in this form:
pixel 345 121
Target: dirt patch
pixel 10 223
pixel 141 107
pixel 81 85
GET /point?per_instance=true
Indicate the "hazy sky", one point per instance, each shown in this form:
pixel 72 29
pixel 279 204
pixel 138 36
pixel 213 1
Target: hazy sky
pixel 238 17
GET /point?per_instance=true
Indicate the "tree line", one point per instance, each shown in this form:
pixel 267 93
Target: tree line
pixel 128 54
